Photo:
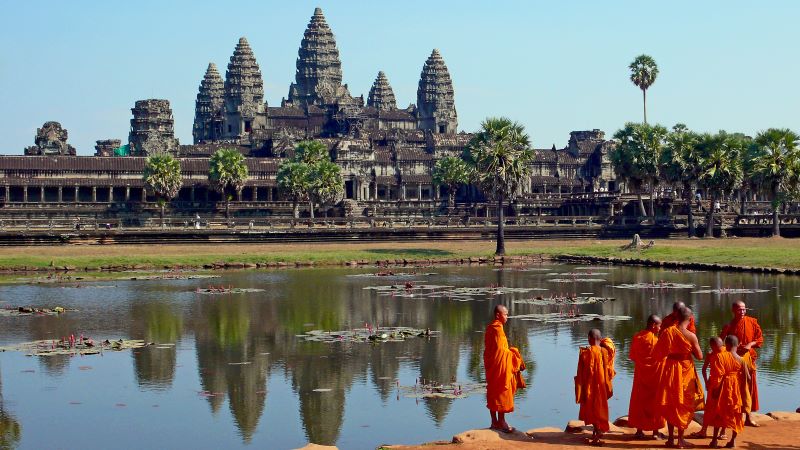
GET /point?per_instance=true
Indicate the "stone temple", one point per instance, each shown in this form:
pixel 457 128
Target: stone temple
pixel 386 152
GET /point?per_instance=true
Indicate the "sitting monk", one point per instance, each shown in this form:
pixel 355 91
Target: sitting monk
pixel 728 382
pixel 748 331
pixel 674 318
pixel 679 394
pixel 593 385
pixel 503 365
pixel 642 413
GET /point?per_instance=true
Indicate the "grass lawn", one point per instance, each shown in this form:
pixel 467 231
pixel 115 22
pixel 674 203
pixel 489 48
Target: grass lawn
pixel 747 252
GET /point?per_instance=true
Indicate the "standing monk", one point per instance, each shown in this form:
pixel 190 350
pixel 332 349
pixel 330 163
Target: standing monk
pixel 642 413
pixel 593 385
pixel 674 318
pixel 503 365
pixel 679 394
pixel 748 331
pixel 728 381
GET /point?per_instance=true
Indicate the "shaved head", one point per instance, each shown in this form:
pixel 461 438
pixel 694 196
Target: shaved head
pixel 738 304
pixel 595 334
pixel 685 314
pixel 731 341
pixel 652 320
pixel 739 309
pixel 500 309
pixel 501 313
pixel 677 306
pixel 715 341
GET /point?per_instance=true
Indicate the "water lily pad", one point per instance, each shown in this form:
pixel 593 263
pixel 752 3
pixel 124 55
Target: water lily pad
pixel 33 311
pixel 453 390
pixel 576 280
pixel 391 274
pixel 560 317
pixel 367 334
pixel 50 347
pixel 569 300
pixel 218 291
pixel 655 285
pixel 729 291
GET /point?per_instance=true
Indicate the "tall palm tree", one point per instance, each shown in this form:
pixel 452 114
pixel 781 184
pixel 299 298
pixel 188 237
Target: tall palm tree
pixel 311 152
pixel 162 174
pixel 227 172
pixel 501 155
pixel 773 162
pixel 636 158
pixel 294 179
pixel 679 163
pixel 643 74
pixel 720 168
pixel 327 185
pixel 451 172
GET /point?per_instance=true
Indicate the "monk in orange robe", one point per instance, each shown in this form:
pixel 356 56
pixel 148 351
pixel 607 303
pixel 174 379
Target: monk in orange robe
pixel 642 412
pixel 679 394
pixel 748 331
pixel 503 365
pixel 675 317
pixel 717 346
pixel 593 385
pixel 728 383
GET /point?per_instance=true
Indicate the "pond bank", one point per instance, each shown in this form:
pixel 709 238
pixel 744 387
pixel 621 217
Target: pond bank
pixel 780 432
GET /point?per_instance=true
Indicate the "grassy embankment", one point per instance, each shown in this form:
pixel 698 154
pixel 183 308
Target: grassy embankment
pixel 784 253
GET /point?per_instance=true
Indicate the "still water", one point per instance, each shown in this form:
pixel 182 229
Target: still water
pixel 152 397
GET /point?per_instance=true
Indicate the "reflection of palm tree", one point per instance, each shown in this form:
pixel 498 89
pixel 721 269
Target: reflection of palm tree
pixel 155 367
pixel 10 429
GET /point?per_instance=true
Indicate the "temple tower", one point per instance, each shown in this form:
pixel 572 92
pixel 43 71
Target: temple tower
pixel 152 128
pixel 51 139
pixel 436 109
pixel 318 79
pixel 245 109
pixel 209 107
pixel 381 96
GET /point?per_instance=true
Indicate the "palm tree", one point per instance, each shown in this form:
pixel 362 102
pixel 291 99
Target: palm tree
pixel 773 162
pixel 327 185
pixel 643 74
pixel 162 174
pixel 679 165
pixel 720 168
pixel 227 172
pixel 636 158
pixel 294 179
pixel 500 154
pixel 451 172
pixel 311 152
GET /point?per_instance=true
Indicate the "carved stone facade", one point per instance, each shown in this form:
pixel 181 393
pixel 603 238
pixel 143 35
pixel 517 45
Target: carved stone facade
pixel 152 128
pixel 244 95
pixel 106 147
pixel 208 117
pixel 381 95
pixel 51 139
pixel 435 97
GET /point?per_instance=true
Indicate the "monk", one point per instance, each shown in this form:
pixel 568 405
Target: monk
pixel 678 394
pixel 748 331
pixel 503 365
pixel 675 316
pixel 728 382
pixel 716 347
pixel 642 413
pixel 593 385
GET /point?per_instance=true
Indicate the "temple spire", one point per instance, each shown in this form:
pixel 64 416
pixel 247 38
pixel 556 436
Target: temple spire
pixel 244 93
pixel 208 106
pixel 436 110
pixel 381 96
pixel 318 79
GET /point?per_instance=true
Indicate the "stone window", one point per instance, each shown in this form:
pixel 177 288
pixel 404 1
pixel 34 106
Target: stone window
pixel 247 127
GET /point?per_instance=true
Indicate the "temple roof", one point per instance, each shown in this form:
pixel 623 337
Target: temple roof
pixel 243 83
pixel 381 95
pixel 211 90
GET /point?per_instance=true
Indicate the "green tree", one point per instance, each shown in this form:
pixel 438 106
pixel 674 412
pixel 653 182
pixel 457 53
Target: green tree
pixel 451 172
pixel 721 158
pixel 294 179
pixel 327 185
pixel 773 161
pixel 500 154
pixel 679 165
pixel 227 173
pixel 162 175
pixel 636 158
pixel 311 152
pixel 643 74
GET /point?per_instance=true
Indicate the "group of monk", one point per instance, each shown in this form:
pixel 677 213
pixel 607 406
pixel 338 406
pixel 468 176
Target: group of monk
pixel 666 388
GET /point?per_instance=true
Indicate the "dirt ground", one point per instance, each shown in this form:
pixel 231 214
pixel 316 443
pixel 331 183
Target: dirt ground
pixel 781 434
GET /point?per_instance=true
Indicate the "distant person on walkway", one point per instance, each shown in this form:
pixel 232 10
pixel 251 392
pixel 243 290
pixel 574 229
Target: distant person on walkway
pixel 674 318
pixel 728 381
pixel 593 384
pixel 748 331
pixel 503 365
pixel 679 393
pixel 642 412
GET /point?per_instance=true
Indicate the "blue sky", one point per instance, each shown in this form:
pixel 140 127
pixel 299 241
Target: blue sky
pixel 554 66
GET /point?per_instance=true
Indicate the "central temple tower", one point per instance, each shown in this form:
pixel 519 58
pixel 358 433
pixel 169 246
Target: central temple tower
pixel 318 79
pixel 245 110
pixel 436 108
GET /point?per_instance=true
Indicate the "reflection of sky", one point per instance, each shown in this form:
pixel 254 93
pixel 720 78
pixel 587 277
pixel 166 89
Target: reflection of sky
pixel 270 401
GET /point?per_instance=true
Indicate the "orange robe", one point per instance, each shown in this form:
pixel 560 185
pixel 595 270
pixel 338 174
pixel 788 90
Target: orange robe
pixel 502 366
pixel 674 318
pixel 710 410
pixel 725 381
pixel 747 330
pixel 679 394
pixel 593 385
pixel 642 413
